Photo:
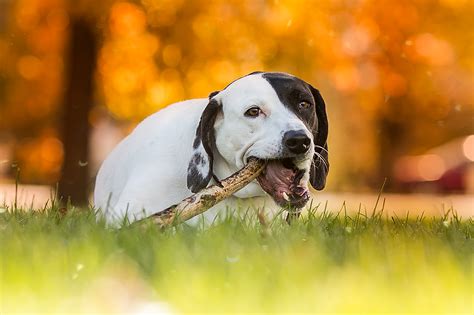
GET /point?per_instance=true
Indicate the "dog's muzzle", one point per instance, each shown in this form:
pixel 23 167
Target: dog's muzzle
pixel 296 141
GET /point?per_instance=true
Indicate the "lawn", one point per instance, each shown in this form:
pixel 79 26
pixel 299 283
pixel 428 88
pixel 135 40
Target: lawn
pixel 53 262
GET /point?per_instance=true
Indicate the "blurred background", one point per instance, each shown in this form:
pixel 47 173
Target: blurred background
pixel 397 77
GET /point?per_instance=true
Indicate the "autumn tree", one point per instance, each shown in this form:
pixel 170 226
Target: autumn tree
pixel 396 75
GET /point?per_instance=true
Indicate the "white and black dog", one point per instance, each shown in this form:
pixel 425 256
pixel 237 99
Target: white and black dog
pixel 186 146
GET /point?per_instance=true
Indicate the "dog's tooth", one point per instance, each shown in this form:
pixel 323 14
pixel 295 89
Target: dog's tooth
pixel 285 196
pixel 299 190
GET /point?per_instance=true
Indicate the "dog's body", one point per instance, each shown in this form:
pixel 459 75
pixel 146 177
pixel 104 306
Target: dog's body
pixel 186 146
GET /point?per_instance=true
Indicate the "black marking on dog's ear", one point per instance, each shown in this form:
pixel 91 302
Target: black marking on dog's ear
pixel 213 94
pixel 200 166
pixel 194 175
pixel 320 166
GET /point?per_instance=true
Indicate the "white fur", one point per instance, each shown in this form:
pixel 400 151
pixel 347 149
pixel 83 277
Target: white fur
pixel 147 171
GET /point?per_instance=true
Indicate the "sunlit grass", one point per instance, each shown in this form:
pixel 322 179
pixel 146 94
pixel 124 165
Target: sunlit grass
pixel 320 263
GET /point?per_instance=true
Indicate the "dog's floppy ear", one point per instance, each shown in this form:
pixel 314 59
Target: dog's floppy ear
pixel 200 166
pixel 213 94
pixel 320 165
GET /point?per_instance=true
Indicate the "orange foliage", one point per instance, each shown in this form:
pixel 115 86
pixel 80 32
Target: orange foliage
pixel 405 62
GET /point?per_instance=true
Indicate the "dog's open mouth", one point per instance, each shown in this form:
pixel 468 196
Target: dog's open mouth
pixel 281 180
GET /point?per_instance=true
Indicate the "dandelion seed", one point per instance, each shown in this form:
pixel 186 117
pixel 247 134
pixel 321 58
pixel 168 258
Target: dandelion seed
pixel 348 229
pixel 75 276
pixel 79 267
pixel 446 223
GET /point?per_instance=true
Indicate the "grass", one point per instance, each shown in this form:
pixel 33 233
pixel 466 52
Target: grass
pixel 322 263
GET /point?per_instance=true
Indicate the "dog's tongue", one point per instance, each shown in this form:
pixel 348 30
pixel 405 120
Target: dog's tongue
pixel 278 180
pixel 278 175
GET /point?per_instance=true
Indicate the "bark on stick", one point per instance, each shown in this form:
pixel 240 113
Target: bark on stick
pixel 206 198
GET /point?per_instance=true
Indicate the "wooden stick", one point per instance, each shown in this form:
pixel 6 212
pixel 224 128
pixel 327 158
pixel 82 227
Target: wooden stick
pixel 206 198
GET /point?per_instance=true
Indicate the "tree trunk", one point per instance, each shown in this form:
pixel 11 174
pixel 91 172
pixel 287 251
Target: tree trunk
pixel 391 134
pixel 78 100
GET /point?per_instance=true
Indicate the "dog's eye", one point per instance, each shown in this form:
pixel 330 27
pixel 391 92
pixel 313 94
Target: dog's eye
pixel 304 105
pixel 253 112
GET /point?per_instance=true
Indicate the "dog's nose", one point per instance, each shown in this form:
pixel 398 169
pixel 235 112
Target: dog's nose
pixel 296 141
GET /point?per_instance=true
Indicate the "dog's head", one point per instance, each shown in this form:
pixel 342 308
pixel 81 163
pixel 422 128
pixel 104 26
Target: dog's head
pixel 272 116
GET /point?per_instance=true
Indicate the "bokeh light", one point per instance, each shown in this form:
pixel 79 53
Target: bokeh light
pixel 391 72
pixel 468 147
pixel 430 167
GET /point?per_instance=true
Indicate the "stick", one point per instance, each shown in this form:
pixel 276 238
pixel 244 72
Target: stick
pixel 206 198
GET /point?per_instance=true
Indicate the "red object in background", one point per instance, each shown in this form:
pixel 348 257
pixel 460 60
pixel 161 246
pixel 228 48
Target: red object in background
pixel 454 180
pixel 448 168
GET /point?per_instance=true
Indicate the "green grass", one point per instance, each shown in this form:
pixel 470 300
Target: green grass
pixel 321 263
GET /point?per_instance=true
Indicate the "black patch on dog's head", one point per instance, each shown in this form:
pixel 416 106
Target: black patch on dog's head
pixel 200 166
pixel 292 91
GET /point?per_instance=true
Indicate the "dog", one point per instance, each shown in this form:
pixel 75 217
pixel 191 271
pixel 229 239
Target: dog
pixel 189 145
